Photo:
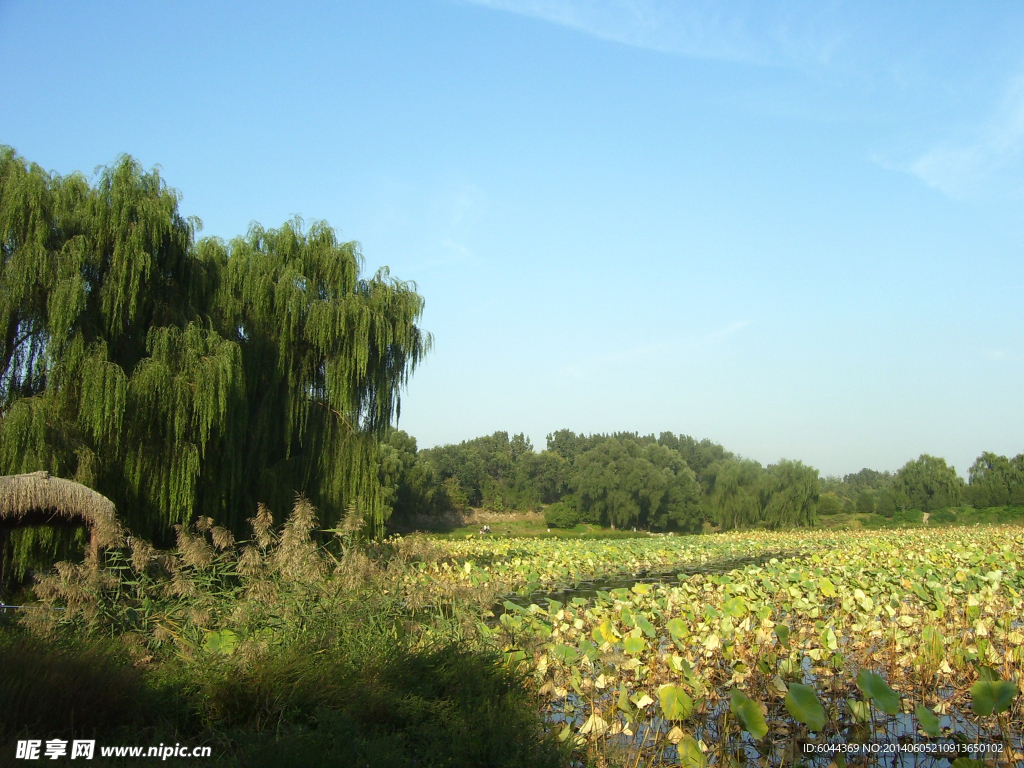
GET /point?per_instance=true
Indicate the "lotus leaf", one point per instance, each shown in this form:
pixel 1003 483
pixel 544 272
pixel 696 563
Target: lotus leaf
pixel 929 722
pixel 633 645
pixel 677 628
pixel 675 703
pixel 992 696
pixel 782 632
pixel 690 753
pixel 878 691
pixel 748 713
pixel 802 703
pixel 735 607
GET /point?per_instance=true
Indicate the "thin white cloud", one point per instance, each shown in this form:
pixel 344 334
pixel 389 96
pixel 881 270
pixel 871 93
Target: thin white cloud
pixel 1001 355
pixel 586 366
pixel 458 209
pixel 455 253
pixel 726 331
pixel 995 149
pixel 745 31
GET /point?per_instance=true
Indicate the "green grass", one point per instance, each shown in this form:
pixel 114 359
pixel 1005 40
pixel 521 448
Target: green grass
pixel 299 706
pixel 276 653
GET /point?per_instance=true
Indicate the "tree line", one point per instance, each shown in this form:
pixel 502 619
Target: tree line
pixel 671 482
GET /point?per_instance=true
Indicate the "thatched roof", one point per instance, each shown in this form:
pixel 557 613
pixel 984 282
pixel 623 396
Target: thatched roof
pixel 38 499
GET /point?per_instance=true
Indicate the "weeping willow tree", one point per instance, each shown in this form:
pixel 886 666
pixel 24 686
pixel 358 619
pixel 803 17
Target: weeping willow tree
pixel 736 500
pixel 745 495
pixel 182 378
pixel 793 493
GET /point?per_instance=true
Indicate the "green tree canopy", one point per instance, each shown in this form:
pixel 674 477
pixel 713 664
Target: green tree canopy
pixel 745 495
pixel 184 378
pixel 792 495
pixel 736 497
pixel 570 445
pixel 698 454
pixel 625 482
pixel 829 504
pixel 996 481
pixel 927 483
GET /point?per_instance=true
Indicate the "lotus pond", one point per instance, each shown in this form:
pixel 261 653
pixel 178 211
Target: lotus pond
pixel 898 647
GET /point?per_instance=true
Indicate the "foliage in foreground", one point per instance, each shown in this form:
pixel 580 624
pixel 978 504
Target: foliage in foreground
pixel 275 652
pixel 279 652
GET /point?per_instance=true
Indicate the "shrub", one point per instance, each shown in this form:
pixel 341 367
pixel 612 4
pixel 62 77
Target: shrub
pixel 942 517
pixel 874 522
pixel 561 515
pixel 906 518
pixel 67 691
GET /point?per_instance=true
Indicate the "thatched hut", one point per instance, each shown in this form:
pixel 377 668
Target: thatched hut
pixel 39 499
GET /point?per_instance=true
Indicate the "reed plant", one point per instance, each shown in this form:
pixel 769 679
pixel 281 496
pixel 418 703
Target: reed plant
pixel 296 647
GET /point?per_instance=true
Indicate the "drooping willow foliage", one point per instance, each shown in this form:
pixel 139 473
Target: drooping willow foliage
pixel 183 378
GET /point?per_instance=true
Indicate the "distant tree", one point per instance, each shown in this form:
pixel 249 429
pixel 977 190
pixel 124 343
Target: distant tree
pixel 698 455
pixel 996 481
pixel 473 463
pixel 793 495
pixel 680 508
pixel 548 474
pixel 624 482
pixel 519 446
pixel 829 504
pixel 870 479
pixel 608 481
pixel 927 484
pixel 885 503
pixel 736 499
pixel 569 445
pixel 1017 480
pixel 412 484
pixel 454 495
pixel 866 501
pixel 499 472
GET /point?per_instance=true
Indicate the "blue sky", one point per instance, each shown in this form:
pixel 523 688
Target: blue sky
pixel 792 227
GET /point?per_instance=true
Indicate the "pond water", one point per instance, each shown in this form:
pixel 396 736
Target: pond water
pixel 589 588
pixel 893 741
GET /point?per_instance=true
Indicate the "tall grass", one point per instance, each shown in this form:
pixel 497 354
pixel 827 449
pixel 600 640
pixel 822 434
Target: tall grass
pixel 282 650
pixel 79 689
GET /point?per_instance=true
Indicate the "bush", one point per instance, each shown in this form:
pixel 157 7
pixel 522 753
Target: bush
pixel 447 707
pixel 82 689
pixel 561 515
pixel 874 522
pixel 942 517
pixel 906 518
